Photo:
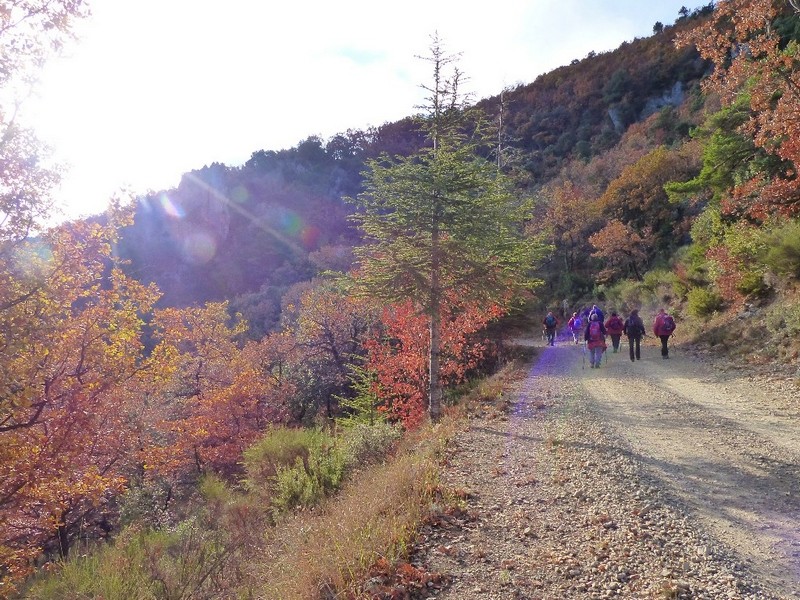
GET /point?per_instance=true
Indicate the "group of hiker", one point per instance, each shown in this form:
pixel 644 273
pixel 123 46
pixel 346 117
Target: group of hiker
pixel 593 327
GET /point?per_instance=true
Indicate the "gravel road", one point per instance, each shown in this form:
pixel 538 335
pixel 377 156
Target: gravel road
pixel 656 479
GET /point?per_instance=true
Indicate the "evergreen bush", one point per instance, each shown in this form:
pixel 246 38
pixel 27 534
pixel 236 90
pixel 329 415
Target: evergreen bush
pixel 307 482
pixel 782 253
pixel 702 302
pixel 370 444
pixel 279 448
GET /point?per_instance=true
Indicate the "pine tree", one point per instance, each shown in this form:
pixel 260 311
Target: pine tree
pixel 444 218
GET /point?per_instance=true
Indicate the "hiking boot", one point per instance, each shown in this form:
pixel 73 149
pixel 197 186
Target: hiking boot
pixel 633 360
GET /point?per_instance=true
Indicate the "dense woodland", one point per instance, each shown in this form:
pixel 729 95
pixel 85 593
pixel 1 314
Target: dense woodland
pixel 154 352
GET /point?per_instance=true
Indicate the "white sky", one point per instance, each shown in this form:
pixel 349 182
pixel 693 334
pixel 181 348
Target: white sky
pixel 156 88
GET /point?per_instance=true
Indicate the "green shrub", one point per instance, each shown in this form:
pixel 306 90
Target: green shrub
pixel 185 562
pixel 782 253
pixel 626 295
pixel 214 490
pixel 362 406
pixel 293 487
pixel 295 467
pixel 752 283
pixel 307 482
pixel 702 302
pixel 745 244
pixel 369 444
pixel 695 263
pixel 279 448
pixel 661 284
pixel 107 572
pixel 784 319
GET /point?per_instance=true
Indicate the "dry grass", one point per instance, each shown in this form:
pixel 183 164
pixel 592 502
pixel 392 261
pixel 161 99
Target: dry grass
pixel 493 395
pixel 328 552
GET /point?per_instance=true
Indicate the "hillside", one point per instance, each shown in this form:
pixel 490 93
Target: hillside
pixel 249 233
pixel 583 110
pixel 246 382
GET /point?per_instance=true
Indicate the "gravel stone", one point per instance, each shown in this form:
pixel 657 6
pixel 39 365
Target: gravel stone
pixel 653 480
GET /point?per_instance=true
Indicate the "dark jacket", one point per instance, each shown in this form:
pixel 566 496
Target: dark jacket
pixel 634 327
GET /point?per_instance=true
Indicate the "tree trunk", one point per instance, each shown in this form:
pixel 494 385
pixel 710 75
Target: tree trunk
pixel 63 539
pixel 434 382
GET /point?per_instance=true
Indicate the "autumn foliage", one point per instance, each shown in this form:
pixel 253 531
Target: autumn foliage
pixel 89 409
pixel 398 354
pixel 70 341
pixel 106 385
pixel 621 250
pixel 755 56
pixel 212 395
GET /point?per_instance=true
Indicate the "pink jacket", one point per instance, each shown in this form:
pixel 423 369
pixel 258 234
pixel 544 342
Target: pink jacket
pixel 658 325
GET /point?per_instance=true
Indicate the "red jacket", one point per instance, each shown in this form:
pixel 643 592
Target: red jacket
pixel 601 343
pixel 658 325
pixel 615 325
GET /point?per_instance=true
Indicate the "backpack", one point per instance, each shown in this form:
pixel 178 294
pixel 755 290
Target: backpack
pixel 668 324
pixel 615 325
pixel 635 327
pixel 550 321
pixel 576 323
pixel 595 333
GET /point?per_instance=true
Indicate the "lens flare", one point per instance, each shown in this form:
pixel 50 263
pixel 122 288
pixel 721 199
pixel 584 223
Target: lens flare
pixel 199 247
pixel 32 260
pixel 171 208
pixel 291 223
pixel 240 194
pixel 310 236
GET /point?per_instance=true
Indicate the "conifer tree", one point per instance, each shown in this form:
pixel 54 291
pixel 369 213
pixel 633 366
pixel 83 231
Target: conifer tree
pixel 444 218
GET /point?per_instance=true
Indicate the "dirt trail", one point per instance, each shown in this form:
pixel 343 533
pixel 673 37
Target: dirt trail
pixel 725 445
pixel 671 478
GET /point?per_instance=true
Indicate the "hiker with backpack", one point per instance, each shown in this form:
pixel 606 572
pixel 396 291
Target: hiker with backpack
pixel 596 311
pixel 634 329
pixel 615 326
pixel 663 327
pixel 575 325
pixel 550 322
pixel 595 337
